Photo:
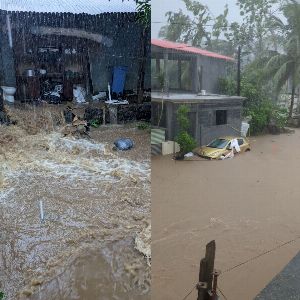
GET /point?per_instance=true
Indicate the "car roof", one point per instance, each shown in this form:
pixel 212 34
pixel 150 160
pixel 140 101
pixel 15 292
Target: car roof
pixel 229 137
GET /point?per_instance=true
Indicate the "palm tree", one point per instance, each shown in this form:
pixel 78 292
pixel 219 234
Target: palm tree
pixel 286 66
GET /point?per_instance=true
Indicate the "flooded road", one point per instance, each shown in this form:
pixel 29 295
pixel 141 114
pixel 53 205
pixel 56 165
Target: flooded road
pixel 97 214
pixel 248 204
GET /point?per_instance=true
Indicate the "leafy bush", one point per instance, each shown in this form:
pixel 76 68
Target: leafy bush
pixel 260 115
pixel 257 104
pixel 280 116
pixel 186 142
pixel 182 117
pixel 144 126
pixel 264 114
pixel 2 296
pixel 227 86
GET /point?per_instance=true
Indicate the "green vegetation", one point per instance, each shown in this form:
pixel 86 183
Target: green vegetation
pixel 258 104
pixel 285 66
pixel 144 126
pixel 2 296
pixel 186 142
pixel 95 123
pixel 144 12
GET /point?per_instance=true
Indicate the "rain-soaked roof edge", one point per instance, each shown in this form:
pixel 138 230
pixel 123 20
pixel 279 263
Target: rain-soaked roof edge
pixel 93 7
pixel 180 47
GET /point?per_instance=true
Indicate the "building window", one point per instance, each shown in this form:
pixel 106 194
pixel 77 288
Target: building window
pixel 221 117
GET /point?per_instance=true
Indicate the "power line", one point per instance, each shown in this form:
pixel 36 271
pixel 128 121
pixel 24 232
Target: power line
pixel 186 296
pixel 225 298
pixel 261 254
pixel 247 261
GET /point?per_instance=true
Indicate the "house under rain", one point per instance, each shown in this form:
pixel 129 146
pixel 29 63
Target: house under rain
pixel 186 68
pixel 185 75
pixel 50 48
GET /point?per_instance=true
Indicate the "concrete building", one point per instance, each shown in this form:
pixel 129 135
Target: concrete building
pixel 186 68
pixel 211 116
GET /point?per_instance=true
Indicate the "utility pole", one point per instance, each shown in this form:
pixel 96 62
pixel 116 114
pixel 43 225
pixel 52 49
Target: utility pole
pixel 239 72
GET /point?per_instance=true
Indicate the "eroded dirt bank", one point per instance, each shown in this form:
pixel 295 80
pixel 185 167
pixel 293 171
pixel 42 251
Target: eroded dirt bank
pixel 248 205
pixel 97 212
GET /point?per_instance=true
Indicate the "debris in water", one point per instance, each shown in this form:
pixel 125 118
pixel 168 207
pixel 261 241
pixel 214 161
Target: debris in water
pixel 36 282
pixel 41 211
pixel 27 292
pixel 124 144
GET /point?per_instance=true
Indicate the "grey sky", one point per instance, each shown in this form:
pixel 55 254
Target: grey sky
pixel 160 7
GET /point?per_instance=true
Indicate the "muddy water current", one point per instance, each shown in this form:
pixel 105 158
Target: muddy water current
pixel 94 242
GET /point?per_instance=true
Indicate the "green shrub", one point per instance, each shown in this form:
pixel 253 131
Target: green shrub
pixel 227 86
pixel 280 116
pixel 144 126
pixel 186 142
pixel 260 115
pixel 2 296
pixel 182 117
pixel 258 105
pixel 263 114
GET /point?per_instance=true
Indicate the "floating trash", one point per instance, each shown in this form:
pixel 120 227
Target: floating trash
pixel 124 144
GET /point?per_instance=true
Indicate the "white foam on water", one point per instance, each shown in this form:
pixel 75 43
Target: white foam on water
pixel 57 143
pixel 5 195
pixel 61 162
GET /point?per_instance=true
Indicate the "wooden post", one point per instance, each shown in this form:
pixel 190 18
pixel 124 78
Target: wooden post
pixel 202 285
pixel 206 272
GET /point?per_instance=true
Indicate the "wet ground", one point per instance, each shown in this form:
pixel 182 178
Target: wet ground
pixel 95 240
pixel 248 204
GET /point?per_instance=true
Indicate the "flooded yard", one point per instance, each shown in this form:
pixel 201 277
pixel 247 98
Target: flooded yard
pixel 248 204
pixel 95 240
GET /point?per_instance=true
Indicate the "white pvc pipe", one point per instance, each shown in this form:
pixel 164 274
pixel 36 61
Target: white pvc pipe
pixel 109 95
pixel 41 211
pixel 8 24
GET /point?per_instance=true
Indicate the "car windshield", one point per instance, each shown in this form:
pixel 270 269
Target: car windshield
pixel 218 143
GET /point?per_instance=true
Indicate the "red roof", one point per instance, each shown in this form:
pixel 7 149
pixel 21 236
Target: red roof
pixel 186 48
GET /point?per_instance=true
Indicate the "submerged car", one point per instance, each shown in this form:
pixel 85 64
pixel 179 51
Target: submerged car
pixel 221 147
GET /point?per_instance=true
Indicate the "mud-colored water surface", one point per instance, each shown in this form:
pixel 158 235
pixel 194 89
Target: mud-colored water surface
pixel 95 240
pixel 248 204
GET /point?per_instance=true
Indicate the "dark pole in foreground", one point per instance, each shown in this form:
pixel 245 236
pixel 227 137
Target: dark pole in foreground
pixel 239 72
pixel 205 283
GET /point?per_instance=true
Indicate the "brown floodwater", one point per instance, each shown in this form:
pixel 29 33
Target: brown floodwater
pixel 96 274
pixel 94 242
pixel 248 204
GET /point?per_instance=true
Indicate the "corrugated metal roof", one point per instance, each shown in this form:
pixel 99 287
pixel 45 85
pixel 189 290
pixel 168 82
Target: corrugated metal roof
pixel 186 48
pixel 92 7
